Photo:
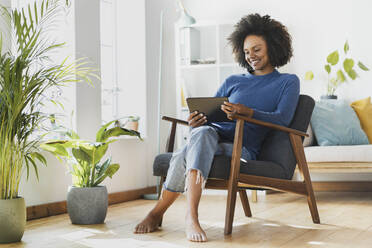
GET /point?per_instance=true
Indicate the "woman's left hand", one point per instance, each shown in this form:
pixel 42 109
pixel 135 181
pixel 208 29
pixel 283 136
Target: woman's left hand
pixel 236 108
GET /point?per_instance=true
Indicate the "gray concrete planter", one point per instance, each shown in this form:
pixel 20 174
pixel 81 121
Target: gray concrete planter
pixel 87 205
pixel 12 220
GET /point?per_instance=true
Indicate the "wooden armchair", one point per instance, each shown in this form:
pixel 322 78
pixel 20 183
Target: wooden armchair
pixel 282 149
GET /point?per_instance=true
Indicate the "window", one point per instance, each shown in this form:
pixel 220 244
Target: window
pixel 123 69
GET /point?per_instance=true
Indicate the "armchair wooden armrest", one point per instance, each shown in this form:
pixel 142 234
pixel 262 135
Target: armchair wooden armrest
pixel 172 134
pixel 182 122
pixel 270 125
pixel 171 137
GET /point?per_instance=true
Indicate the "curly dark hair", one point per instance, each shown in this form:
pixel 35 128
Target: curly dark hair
pixel 278 40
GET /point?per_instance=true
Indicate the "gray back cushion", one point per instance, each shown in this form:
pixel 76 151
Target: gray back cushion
pixel 277 146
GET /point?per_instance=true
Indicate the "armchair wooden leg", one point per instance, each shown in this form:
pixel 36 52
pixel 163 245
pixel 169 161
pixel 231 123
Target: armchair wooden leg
pixel 304 170
pixel 310 193
pixel 233 178
pixel 245 202
pixel 230 209
pixel 254 195
pixel 162 179
pixel 313 208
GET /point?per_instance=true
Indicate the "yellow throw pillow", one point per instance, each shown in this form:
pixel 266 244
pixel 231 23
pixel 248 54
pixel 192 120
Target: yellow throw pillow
pixel 363 109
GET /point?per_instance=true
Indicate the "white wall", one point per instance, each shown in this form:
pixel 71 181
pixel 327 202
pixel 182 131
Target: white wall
pixel 88 45
pixel 168 83
pixel 4 27
pixel 317 27
pixel 5 3
pixel 53 179
pixel 131 69
pixel 134 156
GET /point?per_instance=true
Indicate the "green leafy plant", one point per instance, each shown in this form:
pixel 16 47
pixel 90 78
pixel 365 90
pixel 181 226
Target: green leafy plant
pixel 84 157
pixel 337 73
pixel 26 74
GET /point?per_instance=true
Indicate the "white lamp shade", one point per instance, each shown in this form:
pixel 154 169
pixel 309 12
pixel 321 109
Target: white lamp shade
pixel 185 19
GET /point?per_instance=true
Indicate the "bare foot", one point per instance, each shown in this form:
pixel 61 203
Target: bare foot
pixel 150 224
pixel 194 232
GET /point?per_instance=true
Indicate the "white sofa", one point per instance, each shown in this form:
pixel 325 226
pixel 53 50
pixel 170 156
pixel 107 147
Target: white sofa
pixel 337 168
pixel 339 154
pixel 340 168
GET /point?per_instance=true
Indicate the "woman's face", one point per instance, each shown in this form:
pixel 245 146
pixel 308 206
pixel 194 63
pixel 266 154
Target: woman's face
pixel 255 50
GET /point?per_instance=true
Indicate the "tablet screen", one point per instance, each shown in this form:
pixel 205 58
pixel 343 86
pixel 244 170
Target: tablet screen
pixel 210 106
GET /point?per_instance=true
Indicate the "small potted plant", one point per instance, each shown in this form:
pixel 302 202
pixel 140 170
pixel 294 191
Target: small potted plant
pixel 129 122
pixel 132 122
pixel 87 200
pixel 337 73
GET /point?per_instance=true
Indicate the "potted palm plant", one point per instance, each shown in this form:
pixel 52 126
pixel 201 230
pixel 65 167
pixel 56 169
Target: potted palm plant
pixel 87 201
pixel 24 80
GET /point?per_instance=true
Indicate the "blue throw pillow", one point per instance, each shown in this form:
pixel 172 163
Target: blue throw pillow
pixel 334 122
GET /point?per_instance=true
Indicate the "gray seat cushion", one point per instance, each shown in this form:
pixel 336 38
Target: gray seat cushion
pixel 276 159
pixel 221 167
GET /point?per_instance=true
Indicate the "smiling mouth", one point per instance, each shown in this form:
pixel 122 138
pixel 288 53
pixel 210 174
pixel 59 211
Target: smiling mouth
pixel 254 62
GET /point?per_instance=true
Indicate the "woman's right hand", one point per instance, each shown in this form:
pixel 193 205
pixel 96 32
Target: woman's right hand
pixel 197 119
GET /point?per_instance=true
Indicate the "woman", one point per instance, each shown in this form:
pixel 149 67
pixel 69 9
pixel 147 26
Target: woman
pixel 260 44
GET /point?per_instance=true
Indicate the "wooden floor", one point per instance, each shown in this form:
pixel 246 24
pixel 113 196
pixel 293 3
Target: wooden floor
pixel 279 220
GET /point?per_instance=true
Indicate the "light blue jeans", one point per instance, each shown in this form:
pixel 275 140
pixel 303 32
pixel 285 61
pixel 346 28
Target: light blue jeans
pixel 197 155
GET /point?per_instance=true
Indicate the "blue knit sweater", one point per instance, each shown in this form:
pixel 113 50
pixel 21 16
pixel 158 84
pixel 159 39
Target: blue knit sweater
pixel 273 97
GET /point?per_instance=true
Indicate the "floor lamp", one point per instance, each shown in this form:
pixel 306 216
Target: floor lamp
pixel 155 196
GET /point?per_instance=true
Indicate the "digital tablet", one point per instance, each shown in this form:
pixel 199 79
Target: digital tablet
pixel 210 106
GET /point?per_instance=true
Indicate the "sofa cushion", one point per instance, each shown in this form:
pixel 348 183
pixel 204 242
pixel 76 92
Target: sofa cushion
pixel 308 141
pixel 356 153
pixel 334 122
pixel 363 109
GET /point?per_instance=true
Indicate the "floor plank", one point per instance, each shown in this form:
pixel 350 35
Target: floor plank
pixel 279 220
